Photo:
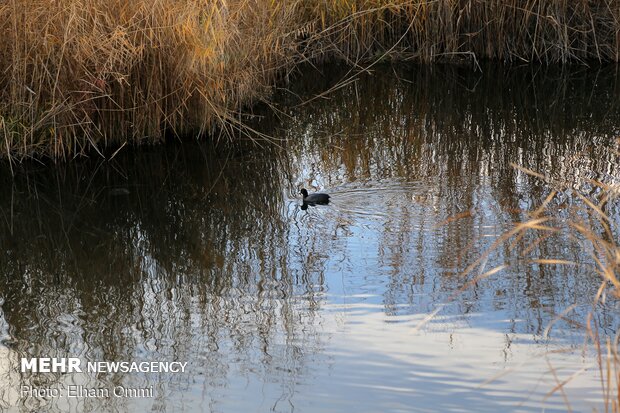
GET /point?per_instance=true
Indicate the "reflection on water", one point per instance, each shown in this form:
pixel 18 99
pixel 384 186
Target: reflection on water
pixel 205 255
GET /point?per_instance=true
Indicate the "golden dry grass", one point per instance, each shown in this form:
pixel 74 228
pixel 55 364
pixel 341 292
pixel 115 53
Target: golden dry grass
pixel 87 76
pixel 590 227
pixel 82 75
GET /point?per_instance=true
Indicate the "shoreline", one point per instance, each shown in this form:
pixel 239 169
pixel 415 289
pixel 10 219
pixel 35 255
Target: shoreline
pixel 98 78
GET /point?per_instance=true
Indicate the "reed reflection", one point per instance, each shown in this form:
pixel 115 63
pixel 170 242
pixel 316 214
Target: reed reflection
pixel 431 144
pixel 208 254
pixel 185 263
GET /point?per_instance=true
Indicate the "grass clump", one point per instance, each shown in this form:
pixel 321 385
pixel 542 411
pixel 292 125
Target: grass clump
pixel 590 223
pixel 84 76
pixel 508 30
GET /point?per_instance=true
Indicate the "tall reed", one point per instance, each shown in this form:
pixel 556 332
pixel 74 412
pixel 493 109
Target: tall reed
pixel 88 76
pixel 510 30
pixel 81 75
pixel 591 223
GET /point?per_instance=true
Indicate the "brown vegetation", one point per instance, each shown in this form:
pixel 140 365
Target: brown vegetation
pixel 87 76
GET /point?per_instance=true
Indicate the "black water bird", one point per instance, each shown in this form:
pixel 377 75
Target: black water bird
pixel 314 199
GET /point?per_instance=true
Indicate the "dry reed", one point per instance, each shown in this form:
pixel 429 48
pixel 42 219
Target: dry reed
pixel 592 229
pixel 86 76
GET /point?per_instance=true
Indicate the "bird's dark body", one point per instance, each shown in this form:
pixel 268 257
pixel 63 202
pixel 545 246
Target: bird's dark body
pixel 314 199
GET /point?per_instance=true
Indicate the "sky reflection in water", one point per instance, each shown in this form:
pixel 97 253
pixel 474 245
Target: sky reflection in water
pixel 204 255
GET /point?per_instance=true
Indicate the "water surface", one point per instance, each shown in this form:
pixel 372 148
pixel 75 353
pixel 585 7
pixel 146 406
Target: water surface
pixel 203 253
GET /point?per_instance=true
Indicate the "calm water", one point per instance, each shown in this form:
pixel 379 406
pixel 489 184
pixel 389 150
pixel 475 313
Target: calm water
pixel 204 255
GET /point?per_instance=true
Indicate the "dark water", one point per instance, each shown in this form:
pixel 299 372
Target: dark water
pixel 203 254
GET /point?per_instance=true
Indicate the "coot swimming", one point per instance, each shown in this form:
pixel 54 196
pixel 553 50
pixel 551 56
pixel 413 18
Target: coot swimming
pixel 314 199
